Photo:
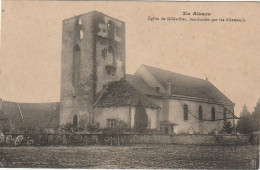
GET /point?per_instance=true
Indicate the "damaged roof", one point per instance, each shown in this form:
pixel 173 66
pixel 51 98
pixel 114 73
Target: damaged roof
pixel 187 86
pixel 122 93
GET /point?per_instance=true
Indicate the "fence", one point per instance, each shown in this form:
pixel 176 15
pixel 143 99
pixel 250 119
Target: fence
pixel 123 139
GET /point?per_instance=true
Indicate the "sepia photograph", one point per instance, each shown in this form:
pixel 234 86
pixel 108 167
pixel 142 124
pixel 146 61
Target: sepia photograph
pixel 129 85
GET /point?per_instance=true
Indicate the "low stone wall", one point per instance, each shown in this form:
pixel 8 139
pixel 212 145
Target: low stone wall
pixel 130 139
pixel 188 139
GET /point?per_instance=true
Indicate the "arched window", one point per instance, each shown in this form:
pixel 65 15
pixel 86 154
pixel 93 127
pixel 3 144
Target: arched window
pixel 76 64
pixel 110 60
pixel 200 113
pixel 185 111
pixel 75 121
pixel 213 113
pixel 225 115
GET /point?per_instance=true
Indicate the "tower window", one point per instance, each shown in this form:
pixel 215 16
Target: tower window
pixel 76 64
pixel 76 48
pixel 75 121
pixel 81 34
pixel 213 113
pixel 80 22
pixel 200 113
pixel 110 60
pixel 185 111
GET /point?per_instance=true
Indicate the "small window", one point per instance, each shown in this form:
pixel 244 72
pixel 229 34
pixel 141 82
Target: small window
pixel 213 113
pixel 185 110
pixel 81 34
pixel 200 113
pixel 157 88
pixel 111 123
pixel 80 22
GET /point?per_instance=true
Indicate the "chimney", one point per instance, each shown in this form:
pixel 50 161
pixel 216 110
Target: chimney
pixel 169 88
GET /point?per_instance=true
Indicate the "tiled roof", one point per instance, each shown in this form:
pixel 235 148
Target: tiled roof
pixel 32 115
pixel 122 93
pixel 188 86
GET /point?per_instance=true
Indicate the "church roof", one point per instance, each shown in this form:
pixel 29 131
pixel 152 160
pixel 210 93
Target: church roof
pixel 138 83
pixel 31 115
pixel 122 93
pixel 188 86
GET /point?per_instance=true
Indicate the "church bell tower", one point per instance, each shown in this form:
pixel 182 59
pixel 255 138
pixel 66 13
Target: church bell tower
pixel 93 54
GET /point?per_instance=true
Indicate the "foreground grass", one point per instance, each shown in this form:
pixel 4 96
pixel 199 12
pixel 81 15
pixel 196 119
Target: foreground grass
pixel 145 156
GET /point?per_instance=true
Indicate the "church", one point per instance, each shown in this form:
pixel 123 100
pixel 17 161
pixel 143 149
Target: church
pixel 95 88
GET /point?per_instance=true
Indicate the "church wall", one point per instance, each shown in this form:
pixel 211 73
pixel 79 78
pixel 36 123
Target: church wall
pixel 160 103
pixel 114 112
pixel 123 113
pixel 176 115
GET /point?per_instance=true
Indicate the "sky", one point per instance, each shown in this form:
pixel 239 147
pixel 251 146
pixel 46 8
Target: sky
pixel 227 53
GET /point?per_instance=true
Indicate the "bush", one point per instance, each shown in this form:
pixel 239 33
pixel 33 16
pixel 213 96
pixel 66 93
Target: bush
pixel 227 128
pixel 141 118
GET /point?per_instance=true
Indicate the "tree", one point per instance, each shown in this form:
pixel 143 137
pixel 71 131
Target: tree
pixel 256 117
pixel 227 127
pixel 244 123
pixel 141 118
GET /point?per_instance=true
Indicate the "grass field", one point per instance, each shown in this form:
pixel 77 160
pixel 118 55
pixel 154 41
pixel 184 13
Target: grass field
pixel 145 156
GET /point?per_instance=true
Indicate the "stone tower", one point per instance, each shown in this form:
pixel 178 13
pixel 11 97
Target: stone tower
pixel 93 54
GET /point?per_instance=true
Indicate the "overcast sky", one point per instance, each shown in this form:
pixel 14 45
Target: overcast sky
pixel 227 53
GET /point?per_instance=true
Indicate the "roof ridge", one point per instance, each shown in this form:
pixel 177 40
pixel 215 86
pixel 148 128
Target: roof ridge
pixel 173 72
